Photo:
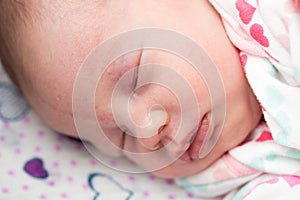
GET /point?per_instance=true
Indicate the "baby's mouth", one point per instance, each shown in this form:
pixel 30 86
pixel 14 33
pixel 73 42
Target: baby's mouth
pixel 193 151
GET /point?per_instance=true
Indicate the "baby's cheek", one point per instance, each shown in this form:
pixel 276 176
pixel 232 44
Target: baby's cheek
pixel 104 116
pixel 52 102
pixel 11 73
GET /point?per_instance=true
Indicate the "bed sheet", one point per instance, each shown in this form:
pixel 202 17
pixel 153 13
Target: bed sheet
pixel 37 163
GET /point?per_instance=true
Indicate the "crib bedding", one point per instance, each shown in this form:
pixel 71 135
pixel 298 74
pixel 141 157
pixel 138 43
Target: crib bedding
pixel 37 163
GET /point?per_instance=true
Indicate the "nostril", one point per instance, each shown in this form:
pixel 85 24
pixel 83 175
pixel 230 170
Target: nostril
pixel 156 147
pixel 158 118
pixel 152 143
pixel 155 142
pixel 156 122
pixel 161 129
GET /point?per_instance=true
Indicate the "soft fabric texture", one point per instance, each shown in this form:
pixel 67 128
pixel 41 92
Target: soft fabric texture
pixel 267 164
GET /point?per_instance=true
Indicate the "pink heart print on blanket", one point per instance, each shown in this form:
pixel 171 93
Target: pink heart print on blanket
pixel 257 33
pixel 292 180
pixel 246 11
pixel 297 2
pixel 265 136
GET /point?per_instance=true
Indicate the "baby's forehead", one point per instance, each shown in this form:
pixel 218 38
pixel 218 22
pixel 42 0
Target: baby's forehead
pixel 28 10
pixel 16 15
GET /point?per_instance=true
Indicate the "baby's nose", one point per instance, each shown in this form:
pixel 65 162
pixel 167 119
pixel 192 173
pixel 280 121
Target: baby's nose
pixel 145 121
pixel 148 120
pixel 151 135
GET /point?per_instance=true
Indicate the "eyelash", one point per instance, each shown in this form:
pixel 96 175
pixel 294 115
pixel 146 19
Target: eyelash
pixel 136 70
pixel 135 76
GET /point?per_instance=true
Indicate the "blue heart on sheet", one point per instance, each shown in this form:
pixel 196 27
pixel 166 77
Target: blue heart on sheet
pixel 13 106
pixel 35 168
pixel 106 187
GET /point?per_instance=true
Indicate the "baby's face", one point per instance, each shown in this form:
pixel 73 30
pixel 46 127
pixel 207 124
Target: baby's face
pixel 51 51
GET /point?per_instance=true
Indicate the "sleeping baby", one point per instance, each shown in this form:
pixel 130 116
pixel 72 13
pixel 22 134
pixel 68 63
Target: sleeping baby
pixel 254 45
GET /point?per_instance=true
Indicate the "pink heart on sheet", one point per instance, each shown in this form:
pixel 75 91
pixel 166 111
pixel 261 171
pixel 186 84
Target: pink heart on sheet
pixel 292 180
pixel 257 33
pixel 297 3
pixel 246 11
pixel 273 181
pixel 244 59
pixel 265 136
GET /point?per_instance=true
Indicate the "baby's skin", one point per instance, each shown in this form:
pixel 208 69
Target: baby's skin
pixel 49 50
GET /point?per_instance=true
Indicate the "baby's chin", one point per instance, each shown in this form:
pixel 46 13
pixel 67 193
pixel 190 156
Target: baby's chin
pixel 175 171
pixel 182 168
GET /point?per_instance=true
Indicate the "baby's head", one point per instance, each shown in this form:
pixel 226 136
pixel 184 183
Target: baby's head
pixel 44 43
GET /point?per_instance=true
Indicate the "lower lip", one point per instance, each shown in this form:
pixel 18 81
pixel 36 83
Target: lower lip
pixel 193 152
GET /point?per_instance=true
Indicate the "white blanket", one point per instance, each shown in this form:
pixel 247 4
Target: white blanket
pixel 267 164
